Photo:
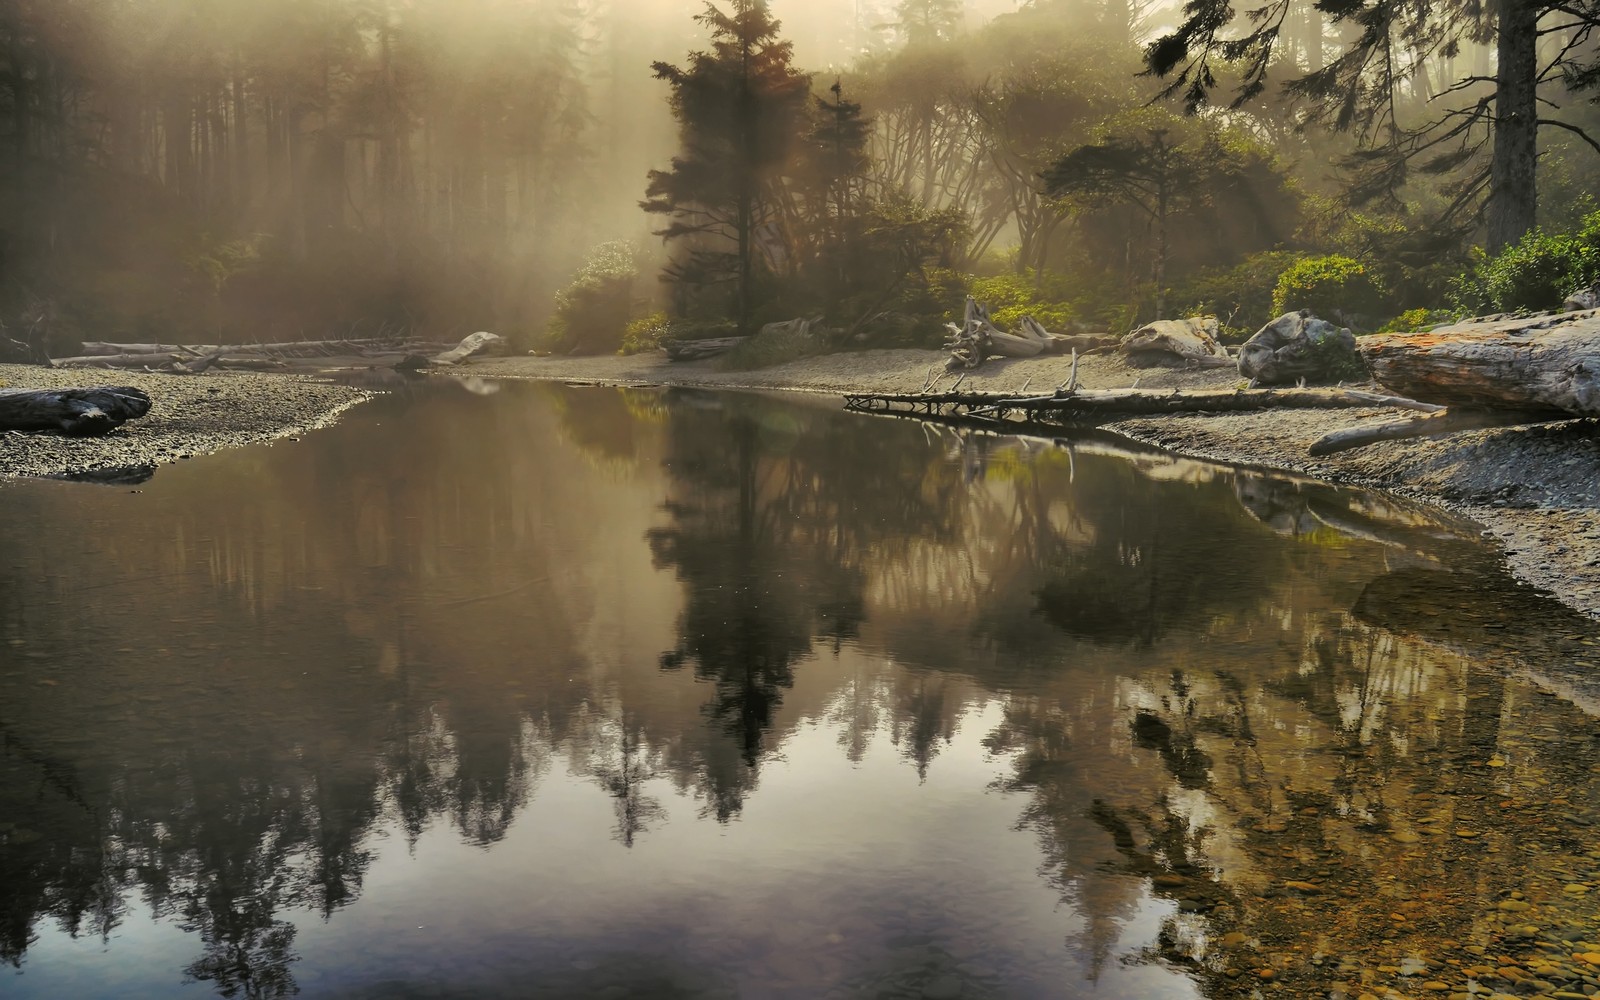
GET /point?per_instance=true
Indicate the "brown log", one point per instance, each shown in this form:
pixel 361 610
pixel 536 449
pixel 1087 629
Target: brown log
pixel 1542 363
pixel 1443 422
pixel 1130 402
pixel 75 412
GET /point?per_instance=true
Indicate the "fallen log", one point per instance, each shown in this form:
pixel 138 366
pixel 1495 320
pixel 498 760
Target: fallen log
pixel 176 363
pixel 698 350
pixel 1188 342
pixel 1448 421
pixel 1549 362
pixel 472 346
pixel 285 349
pixel 74 412
pixel 1128 402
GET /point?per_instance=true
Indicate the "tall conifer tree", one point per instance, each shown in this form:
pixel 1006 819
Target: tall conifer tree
pixel 739 108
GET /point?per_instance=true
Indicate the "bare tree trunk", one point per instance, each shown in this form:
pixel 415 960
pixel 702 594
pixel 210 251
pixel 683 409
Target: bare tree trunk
pixel 1512 190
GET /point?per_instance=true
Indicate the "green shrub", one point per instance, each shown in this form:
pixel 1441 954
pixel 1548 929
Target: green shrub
pixel 591 313
pixel 645 334
pixel 1417 320
pixel 1012 296
pixel 1536 272
pixel 1239 296
pixel 1332 287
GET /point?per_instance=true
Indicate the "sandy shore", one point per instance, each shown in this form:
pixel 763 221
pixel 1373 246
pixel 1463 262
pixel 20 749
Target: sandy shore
pixel 1536 491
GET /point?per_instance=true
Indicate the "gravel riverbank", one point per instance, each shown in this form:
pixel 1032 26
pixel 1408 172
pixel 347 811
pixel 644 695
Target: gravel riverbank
pixel 1535 490
pixel 190 415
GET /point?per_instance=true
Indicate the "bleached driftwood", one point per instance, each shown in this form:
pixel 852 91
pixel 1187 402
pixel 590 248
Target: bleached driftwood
pixel 74 412
pixel 1186 341
pixel 285 349
pixel 472 346
pixel 1447 421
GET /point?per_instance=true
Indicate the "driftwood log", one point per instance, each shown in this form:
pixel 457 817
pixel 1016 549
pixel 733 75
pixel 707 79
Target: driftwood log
pixel 75 412
pixel 472 346
pixel 1496 371
pixel 1111 403
pixel 1445 421
pixel 286 349
pixel 1549 363
pixel 1191 342
pixel 698 350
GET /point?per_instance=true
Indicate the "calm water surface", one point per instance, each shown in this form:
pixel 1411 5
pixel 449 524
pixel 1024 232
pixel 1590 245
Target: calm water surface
pixel 593 693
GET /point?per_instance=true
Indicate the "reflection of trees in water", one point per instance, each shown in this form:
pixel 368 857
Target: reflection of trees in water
pixel 774 520
pixel 1072 586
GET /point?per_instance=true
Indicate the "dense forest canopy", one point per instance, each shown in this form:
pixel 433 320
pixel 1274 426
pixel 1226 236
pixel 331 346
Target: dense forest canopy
pixel 215 170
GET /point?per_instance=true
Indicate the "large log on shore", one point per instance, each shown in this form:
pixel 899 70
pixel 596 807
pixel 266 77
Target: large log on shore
pixel 286 349
pixel 1534 364
pixel 473 345
pixel 75 412
pixel 1128 402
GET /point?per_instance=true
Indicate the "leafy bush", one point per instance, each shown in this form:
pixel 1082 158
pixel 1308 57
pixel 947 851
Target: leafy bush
pixel 1332 287
pixel 591 313
pixel 1012 296
pixel 1239 296
pixel 1417 320
pixel 645 334
pixel 1536 272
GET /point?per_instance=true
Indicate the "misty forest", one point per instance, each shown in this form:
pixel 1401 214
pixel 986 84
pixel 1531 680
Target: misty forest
pixel 588 176
pixel 436 560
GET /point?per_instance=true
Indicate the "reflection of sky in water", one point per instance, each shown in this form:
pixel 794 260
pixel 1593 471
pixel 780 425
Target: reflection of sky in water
pixel 565 692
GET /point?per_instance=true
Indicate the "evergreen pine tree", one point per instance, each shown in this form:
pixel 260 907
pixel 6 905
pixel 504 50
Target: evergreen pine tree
pixel 739 108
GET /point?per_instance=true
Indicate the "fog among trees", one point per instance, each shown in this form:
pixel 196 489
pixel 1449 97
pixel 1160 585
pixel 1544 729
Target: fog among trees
pixel 589 175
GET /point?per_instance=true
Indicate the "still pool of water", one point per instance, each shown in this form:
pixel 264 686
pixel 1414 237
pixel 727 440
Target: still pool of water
pixel 576 692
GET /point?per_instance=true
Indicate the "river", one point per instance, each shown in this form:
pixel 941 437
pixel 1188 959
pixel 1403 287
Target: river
pixel 576 692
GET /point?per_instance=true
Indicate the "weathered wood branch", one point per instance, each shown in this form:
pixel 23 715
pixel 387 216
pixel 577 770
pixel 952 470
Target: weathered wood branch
pixel 285 349
pixel 1447 421
pixel 75 412
pixel 1129 402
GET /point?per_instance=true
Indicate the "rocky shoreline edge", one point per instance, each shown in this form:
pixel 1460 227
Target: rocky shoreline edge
pixel 1535 490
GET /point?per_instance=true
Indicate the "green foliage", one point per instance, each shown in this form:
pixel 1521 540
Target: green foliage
pixel 1417 320
pixel 591 313
pixel 218 263
pixel 645 334
pixel 1013 296
pixel 1331 287
pixel 1536 272
pixel 1241 296
pixel 741 108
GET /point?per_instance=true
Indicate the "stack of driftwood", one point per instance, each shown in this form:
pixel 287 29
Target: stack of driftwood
pixel 1495 371
pixel 191 359
pixel 978 338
